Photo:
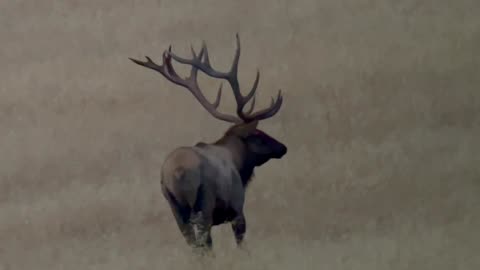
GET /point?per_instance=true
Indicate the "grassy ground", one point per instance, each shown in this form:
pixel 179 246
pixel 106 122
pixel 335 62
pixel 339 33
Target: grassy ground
pixel 381 117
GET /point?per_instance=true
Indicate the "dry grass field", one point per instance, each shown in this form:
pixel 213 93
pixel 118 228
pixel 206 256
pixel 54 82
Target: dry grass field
pixel 381 117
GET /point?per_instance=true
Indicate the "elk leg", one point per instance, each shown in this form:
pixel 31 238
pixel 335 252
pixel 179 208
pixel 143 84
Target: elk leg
pixel 239 227
pixel 184 226
pixel 202 219
pixel 203 228
pixel 182 217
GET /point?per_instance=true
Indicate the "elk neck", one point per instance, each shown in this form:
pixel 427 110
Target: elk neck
pixel 244 163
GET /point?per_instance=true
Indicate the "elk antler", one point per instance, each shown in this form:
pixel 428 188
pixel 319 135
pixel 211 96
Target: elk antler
pixel 202 62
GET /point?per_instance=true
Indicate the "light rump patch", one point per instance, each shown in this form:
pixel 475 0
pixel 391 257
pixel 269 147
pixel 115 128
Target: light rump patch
pixel 205 184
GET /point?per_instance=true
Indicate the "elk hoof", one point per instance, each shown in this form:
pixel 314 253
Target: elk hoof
pixel 244 249
pixel 203 251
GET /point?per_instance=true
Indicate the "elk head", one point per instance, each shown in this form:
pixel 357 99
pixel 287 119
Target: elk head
pixel 259 146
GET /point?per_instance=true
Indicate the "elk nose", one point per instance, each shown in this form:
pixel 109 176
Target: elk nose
pixel 282 151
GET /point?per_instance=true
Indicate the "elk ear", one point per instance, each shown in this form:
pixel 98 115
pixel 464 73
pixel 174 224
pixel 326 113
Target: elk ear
pixel 244 130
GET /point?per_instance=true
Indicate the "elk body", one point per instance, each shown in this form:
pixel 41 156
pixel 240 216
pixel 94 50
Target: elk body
pixel 205 184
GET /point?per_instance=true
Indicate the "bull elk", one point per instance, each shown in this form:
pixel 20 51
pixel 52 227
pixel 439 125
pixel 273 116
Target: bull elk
pixel 205 184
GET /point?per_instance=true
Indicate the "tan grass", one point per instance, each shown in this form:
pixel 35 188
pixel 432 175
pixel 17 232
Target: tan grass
pixel 381 118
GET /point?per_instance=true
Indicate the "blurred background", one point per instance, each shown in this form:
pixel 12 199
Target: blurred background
pixel 380 114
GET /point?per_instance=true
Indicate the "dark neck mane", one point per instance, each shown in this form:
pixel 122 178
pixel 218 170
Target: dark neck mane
pixel 242 160
pixel 246 173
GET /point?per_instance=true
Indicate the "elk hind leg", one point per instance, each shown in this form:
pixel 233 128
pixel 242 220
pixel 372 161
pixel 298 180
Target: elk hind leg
pixel 202 220
pixel 182 217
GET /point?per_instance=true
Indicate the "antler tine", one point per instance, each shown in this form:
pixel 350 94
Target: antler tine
pixel 269 111
pixel 252 105
pixel 254 87
pixel 193 52
pixel 236 58
pixel 206 60
pixel 233 79
pixel 219 96
pixel 233 74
